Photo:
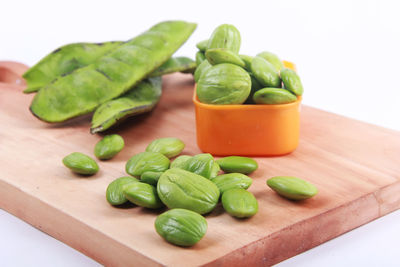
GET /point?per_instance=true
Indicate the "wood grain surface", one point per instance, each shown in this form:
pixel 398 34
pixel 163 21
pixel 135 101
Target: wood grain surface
pixel 355 165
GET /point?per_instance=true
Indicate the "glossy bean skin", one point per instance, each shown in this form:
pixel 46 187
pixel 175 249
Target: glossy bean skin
pixel 265 73
pixel 229 181
pixel 247 61
pixel 271 96
pixel 255 86
pixel 273 59
pixel 150 177
pixel 81 163
pixel 225 36
pixel 203 67
pixel 175 64
pixel 202 45
pixel 239 203
pixel 292 187
pixel 111 75
pixel 292 81
pixel 168 146
pixel 238 164
pixel 114 193
pixel 181 227
pixel 64 60
pixel 201 164
pixel 179 162
pixel 146 161
pixel 222 55
pixel 109 146
pixel 143 195
pixel 200 57
pixel 179 188
pixel 140 99
pixel 224 84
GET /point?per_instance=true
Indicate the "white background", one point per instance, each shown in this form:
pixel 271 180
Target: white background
pixel 347 53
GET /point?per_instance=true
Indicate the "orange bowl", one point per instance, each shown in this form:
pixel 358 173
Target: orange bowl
pixel 248 130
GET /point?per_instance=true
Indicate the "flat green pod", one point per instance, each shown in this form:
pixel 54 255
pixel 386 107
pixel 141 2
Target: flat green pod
pixel 114 193
pixel 292 81
pixel 64 60
pixel 273 59
pixel 239 203
pixel 80 163
pixel 222 55
pixel 205 65
pixel 181 227
pixel 292 187
pixel 225 36
pixel 229 181
pixel 111 75
pixel 202 45
pixel 109 146
pixel 265 73
pixel 179 188
pixel 168 146
pixel 224 84
pixel 271 96
pixel 175 64
pixel 146 161
pixel 140 99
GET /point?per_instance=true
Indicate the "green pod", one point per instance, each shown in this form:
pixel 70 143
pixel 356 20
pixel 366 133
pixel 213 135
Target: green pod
pixel 146 161
pixel 292 187
pixel 200 57
pixel 111 75
pixel 114 193
pixel 205 65
pixel 273 96
pixel 238 164
pixel 224 84
pixel 239 203
pixel 273 59
pixel 181 227
pixel 292 81
pixel 202 45
pixel 229 181
pixel 81 163
pixel 140 99
pixel 64 60
pixel 143 195
pixel 168 146
pixel 201 164
pixel 179 188
pixel 179 162
pixel 109 146
pixel 225 36
pixel 175 64
pixel 222 55
pixel 150 177
pixel 247 61
pixel 265 73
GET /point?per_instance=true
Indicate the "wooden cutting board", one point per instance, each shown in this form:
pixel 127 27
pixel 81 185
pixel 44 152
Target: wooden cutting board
pixel 355 165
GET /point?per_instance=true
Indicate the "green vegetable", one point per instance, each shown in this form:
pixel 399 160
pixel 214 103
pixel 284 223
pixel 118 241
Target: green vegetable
pixel 229 181
pixel 109 146
pixel 225 36
pixel 255 86
pixel 181 227
pixel 239 203
pixel 238 164
pixel 292 187
pixel 200 57
pixel 140 99
pixel 292 81
pixel 273 96
pixel 81 163
pixel 273 59
pixel 180 161
pixel 224 84
pixel 146 161
pixel 178 188
pixel 202 45
pixel 143 195
pixel 175 64
pixel 64 60
pixel 247 61
pixel 168 146
pixel 150 177
pixel 114 192
pixel 222 55
pixel 111 75
pixel 201 164
pixel 265 73
pixel 205 65
pixel 215 170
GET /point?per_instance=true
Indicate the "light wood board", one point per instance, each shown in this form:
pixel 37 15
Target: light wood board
pixel 355 165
